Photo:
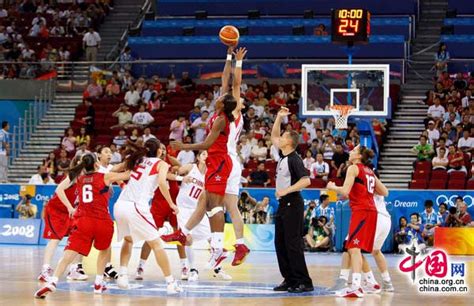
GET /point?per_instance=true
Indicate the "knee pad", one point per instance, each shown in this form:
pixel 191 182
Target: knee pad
pixel 215 211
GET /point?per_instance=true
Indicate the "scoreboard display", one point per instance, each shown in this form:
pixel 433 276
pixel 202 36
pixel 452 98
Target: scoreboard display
pixel 350 26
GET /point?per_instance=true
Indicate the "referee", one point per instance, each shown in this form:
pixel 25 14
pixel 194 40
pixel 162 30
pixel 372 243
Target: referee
pixel 291 177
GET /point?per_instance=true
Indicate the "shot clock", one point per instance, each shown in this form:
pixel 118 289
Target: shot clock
pixel 350 26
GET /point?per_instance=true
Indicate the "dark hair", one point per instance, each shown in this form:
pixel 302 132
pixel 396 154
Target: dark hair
pixel 261 163
pixel 181 115
pixel 400 221
pixel 323 198
pixel 416 214
pixel 444 204
pixel 423 136
pixel 4 124
pixel 428 203
pixel 367 155
pixel 28 197
pixel 441 45
pixel 87 162
pixel 136 153
pixel 229 106
pixel 453 210
pixel 460 198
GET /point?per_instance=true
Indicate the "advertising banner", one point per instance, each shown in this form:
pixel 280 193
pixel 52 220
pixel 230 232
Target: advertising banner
pixel 17 231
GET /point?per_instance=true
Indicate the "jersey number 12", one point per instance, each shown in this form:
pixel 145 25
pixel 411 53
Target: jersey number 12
pixel 370 183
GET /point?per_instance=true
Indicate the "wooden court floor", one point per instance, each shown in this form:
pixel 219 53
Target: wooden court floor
pixel 19 266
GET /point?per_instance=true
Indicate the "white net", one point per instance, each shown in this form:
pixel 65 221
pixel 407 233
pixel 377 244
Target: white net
pixel 341 113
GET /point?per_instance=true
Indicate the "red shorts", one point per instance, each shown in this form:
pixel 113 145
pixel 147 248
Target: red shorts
pixel 88 231
pixel 57 224
pixel 362 230
pixel 161 212
pixel 218 171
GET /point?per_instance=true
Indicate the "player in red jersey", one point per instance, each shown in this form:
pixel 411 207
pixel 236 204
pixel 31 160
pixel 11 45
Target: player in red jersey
pixel 93 223
pixel 360 186
pixel 57 223
pixel 219 167
pixel 161 212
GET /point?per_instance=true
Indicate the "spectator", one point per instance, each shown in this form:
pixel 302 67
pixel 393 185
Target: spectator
pixel 443 213
pixel 50 164
pixel 4 151
pixel 260 151
pixel 436 112
pixel 172 84
pixel 259 109
pixel 263 211
pixel 156 102
pixel 199 102
pixel 429 220
pixel 320 30
pixel 281 94
pixel 199 125
pixel 259 177
pixel 295 123
pixel 208 107
pixel 441 59
pixel 318 237
pixel 177 128
pixel 464 218
pixel 195 113
pixel 112 89
pixel 125 59
pixel 433 134
pixel 459 83
pixel 93 90
pixel 440 161
pixel 36 179
pixel 89 119
pixel 186 82
pixel 246 206
pixel 451 133
pixel 147 135
pixel 320 169
pixel 328 148
pixel 458 217
pixel 451 111
pixel 83 137
pixel 69 141
pixel 413 233
pixel 46 179
pixel 456 160
pixel 116 156
pixel 82 149
pixel 442 145
pixel 400 236
pixel 423 150
pixel 132 96
pixel 142 118
pixel 124 117
pixel 186 157
pixel 26 209
pixel 339 160
pixel 466 143
pixel 63 164
pixel 146 93
pixel 120 139
pixel 465 101
pixel 134 137
pixel 325 210
pixel 57 30
pixel 308 161
pixel 91 43
pixel 294 95
pixel 315 147
pixel 379 130
pixel 308 215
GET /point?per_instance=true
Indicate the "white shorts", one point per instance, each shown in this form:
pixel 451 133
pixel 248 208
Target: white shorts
pixel 233 182
pixel 384 224
pixel 202 231
pixel 135 221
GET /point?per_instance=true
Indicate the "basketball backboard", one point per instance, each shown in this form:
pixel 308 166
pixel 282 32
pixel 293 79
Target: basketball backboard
pixel 364 87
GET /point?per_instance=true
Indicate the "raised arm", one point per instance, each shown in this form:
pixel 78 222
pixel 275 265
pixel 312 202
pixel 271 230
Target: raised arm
pixel 380 188
pixel 113 177
pixel 225 79
pixel 276 130
pixel 352 173
pixel 237 80
pixel 217 127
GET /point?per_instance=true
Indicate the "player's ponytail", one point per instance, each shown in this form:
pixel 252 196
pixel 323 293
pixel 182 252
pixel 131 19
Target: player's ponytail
pixel 366 155
pixel 86 162
pixel 135 153
pixel 229 106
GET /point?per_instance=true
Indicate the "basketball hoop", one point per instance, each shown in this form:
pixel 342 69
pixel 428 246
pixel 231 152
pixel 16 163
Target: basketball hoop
pixel 340 114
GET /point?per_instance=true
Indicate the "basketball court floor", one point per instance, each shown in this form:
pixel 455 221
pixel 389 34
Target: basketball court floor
pixel 251 285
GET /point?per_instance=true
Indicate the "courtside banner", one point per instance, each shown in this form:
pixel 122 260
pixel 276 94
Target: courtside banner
pixel 19 231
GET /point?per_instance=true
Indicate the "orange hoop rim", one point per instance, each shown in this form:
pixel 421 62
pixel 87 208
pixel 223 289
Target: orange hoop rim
pixel 342 109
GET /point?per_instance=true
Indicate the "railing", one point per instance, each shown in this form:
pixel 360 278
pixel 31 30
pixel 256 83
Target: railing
pixel 27 125
pixel 133 27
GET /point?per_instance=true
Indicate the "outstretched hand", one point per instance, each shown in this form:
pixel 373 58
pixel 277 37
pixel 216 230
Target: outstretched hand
pixel 176 145
pixel 240 53
pixel 284 111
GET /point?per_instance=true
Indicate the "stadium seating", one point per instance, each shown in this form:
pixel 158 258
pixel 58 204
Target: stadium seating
pixel 418 184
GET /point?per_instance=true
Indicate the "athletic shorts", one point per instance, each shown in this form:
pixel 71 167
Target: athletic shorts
pixel 161 212
pixel 57 224
pixel 219 168
pixel 202 231
pixel 384 224
pixel 90 231
pixel 233 183
pixel 362 230
pixel 135 220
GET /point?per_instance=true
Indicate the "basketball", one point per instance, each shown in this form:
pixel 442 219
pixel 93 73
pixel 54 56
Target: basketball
pixel 229 35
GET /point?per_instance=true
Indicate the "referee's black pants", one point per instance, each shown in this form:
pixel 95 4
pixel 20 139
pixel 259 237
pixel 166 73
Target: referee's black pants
pixel 289 244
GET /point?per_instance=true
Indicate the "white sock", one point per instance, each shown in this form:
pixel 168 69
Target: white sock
pixel 239 241
pixel 99 279
pixel 344 274
pixel 356 280
pixel 184 262
pixel 123 270
pixel 217 241
pixel 169 279
pixel 369 277
pixel 190 256
pixel 53 279
pixel 386 276
pixel 46 267
pixel 185 230
pixel 141 263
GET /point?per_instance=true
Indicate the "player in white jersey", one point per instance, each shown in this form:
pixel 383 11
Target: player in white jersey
pixel 132 212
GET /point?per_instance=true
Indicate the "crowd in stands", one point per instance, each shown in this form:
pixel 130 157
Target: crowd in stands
pixel 421 226
pixel 44 33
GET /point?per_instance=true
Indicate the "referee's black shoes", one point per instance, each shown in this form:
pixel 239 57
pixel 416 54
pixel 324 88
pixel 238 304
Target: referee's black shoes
pixel 300 289
pixel 284 286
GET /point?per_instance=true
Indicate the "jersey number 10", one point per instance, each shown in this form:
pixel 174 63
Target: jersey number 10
pixel 195 192
pixel 370 183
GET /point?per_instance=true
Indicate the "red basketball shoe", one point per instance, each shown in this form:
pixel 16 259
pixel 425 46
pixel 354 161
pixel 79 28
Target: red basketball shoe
pixel 241 253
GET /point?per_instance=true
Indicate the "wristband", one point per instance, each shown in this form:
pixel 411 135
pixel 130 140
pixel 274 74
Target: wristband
pixel 179 178
pixel 238 64
pixel 229 57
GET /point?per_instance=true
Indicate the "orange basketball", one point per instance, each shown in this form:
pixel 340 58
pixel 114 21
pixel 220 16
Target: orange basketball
pixel 229 35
